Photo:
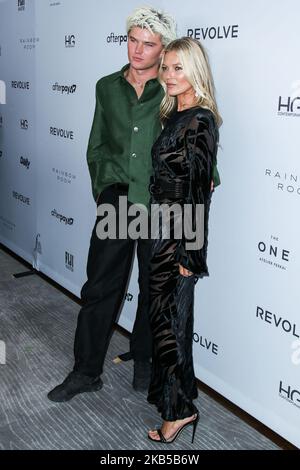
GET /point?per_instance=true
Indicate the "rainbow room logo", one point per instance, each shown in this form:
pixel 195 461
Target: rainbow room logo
pixel 283 181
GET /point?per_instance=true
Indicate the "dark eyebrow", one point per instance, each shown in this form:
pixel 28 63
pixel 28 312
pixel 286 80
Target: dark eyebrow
pixel 145 42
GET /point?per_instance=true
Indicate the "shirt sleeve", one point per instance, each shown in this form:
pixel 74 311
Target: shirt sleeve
pixel 97 139
pixel 201 140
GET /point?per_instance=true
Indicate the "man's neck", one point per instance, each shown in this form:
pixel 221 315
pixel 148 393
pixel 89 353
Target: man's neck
pixel 140 77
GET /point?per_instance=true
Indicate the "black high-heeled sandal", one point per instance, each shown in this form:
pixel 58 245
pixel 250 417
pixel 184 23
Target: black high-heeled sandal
pixel 163 440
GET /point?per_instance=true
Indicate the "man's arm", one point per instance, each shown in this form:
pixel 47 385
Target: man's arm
pixel 97 139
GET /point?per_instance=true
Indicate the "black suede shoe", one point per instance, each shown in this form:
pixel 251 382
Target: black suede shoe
pixel 73 384
pixel 141 375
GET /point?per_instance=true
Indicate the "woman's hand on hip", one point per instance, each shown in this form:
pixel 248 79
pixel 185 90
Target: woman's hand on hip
pixel 184 272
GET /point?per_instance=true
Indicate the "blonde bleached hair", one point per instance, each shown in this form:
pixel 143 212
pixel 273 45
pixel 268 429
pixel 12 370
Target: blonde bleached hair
pixel 196 67
pixel 156 21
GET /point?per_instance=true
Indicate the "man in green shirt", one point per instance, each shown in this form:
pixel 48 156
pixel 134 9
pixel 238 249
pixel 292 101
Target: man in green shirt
pixel 126 124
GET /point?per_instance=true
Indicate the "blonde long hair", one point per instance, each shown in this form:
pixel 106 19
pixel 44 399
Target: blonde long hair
pixel 194 60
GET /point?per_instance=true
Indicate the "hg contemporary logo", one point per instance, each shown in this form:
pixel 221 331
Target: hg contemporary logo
pixel 70 40
pixel 2 92
pixel 25 162
pixel 21 5
pixel 290 394
pixel 2 352
pixel 24 124
pixel 288 104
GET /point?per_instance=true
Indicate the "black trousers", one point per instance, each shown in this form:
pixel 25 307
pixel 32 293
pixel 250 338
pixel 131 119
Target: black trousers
pixel 108 267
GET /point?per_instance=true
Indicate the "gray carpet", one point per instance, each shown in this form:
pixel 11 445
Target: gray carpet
pixel 37 323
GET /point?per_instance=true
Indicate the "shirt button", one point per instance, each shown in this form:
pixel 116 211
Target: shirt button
pixel 133 155
pixel 135 129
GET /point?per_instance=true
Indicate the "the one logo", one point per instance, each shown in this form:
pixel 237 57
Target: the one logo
pixel 2 92
pixel 116 38
pixel 62 218
pixel 24 124
pixel 21 5
pixel 214 32
pixel 70 40
pixel 69 261
pixel 128 297
pixel 289 393
pixel 25 162
pixel 273 253
pixel 64 89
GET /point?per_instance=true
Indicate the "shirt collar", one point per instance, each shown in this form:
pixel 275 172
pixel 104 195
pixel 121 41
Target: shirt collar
pixel 120 74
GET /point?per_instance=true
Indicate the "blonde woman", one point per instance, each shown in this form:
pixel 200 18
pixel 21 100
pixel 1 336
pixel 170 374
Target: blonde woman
pixel 183 160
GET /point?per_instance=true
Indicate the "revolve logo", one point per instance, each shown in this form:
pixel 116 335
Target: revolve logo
pixel 20 85
pixel 277 321
pixel 214 32
pixel 64 133
pixel 206 344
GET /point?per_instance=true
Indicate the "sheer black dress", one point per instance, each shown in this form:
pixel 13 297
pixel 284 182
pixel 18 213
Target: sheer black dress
pixel 183 158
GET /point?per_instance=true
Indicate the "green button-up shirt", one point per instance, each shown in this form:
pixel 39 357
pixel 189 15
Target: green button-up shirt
pixel 123 131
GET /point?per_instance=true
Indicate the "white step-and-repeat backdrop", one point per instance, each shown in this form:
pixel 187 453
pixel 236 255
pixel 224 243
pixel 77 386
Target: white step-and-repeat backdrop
pixel 247 323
